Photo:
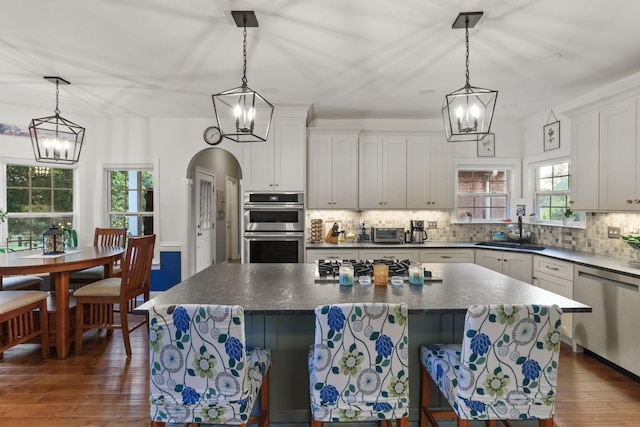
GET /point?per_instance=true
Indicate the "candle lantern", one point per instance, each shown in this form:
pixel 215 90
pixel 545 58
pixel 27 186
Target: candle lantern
pixel 52 241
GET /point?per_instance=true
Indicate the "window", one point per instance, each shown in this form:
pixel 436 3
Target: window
pixel 552 191
pixel 36 198
pixel 483 194
pixel 131 201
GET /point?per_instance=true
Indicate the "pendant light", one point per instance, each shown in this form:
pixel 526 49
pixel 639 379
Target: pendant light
pixel 242 114
pixel 54 138
pixel 467 112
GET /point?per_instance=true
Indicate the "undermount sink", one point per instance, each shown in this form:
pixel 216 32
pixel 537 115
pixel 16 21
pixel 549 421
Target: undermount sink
pixel 513 245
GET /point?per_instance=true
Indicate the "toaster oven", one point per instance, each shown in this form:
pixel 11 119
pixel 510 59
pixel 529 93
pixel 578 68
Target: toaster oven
pixel 387 234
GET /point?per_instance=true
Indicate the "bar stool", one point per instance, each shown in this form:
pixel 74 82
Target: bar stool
pixel 358 366
pixel 201 370
pixel 505 369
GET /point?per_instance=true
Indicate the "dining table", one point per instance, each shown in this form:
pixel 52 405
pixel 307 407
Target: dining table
pixel 58 267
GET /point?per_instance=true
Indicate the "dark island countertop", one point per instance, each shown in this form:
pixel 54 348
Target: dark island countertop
pixel 288 289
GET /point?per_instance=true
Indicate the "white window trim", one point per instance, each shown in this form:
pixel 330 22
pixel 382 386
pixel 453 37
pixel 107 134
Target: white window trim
pixel 4 161
pixel 531 181
pixel 103 182
pixel 513 167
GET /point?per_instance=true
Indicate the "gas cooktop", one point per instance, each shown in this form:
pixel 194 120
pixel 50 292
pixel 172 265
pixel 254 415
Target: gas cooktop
pixel 328 270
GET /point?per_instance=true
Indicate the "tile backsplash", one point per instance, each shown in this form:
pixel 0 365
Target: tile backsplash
pixel 592 239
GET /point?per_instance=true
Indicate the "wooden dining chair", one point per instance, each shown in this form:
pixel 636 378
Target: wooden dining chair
pixel 105 237
pixel 23 317
pixel 96 300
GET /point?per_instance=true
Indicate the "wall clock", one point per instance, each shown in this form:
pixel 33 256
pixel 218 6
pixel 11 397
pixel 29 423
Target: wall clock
pixel 212 135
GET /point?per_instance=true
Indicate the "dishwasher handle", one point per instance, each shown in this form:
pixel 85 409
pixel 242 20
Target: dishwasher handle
pixel 624 285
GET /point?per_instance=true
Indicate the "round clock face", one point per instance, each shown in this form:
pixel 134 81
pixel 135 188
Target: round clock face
pixel 212 135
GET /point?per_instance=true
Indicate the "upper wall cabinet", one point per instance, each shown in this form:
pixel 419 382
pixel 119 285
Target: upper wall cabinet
pixel 382 172
pixel 332 169
pixel 277 164
pixel 585 141
pixel 619 161
pixel 430 173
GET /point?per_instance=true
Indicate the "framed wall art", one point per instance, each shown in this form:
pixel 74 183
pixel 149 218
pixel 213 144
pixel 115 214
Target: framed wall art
pixel 551 133
pixel 487 145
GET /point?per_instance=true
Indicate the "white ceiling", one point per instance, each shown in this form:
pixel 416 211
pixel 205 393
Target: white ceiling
pixel 348 58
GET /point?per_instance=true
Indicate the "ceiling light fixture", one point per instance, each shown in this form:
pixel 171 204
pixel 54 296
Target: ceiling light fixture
pixel 467 112
pixel 242 114
pixel 54 138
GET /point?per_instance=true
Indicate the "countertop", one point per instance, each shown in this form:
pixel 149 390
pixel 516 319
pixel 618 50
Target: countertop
pixel 602 262
pixel 283 289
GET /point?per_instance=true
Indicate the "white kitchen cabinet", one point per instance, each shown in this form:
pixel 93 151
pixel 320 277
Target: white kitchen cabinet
pixel 446 255
pixel 332 171
pixel 619 157
pixel 557 277
pixel 382 172
pixel 314 255
pixel 585 140
pixel 279 163
pixel 390 254
pixel 513 264
pixel 430 173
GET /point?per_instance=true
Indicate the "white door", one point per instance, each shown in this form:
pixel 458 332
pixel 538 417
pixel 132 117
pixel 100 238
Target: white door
pixel 233 220
pixel 205 220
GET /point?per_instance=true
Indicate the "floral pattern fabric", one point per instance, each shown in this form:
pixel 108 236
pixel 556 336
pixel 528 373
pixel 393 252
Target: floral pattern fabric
pixel 358 366
pixel 506 367
pixel 201 370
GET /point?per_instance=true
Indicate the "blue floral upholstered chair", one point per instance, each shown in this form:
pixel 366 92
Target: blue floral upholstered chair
pixel 506 367
pixel 201 371
pixel 358 366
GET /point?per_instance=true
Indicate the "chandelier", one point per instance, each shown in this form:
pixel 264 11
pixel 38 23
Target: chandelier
pixel 54 138
pixel 242 114
pixel 467 112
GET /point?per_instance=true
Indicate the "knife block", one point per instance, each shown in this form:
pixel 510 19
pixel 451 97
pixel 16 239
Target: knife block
pixel 330 238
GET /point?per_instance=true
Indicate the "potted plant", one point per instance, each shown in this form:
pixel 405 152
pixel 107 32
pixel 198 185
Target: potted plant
pixel 469 216
pixel 568 217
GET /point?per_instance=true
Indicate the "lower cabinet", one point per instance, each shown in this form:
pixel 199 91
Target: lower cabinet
pixel 555 276
pixel 446 255
pixel 513 264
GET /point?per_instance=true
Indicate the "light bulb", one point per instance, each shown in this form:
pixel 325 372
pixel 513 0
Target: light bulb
pixel 475 111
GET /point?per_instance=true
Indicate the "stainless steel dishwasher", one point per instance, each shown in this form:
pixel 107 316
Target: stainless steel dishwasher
pixel 612 330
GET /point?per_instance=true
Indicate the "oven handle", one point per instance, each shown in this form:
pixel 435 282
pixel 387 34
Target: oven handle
pixel 273 234
pixel 277 207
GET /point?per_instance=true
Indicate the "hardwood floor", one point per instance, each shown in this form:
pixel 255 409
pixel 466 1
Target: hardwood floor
pixel 103 388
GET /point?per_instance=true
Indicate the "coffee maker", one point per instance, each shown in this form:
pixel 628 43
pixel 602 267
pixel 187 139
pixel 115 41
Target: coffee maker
pixel 418 233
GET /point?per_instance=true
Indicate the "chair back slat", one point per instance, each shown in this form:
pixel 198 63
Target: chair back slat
pixel 136 266
pixel 110 237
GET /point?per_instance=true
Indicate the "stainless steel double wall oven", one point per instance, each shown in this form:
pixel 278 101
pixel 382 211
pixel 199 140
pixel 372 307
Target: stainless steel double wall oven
pixel 273 227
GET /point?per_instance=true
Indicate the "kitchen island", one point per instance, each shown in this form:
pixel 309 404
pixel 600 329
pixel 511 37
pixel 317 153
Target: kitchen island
pixel 279 302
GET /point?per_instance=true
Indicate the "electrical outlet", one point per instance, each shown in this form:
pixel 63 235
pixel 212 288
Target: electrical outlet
pixel 613 232
pixel 432 225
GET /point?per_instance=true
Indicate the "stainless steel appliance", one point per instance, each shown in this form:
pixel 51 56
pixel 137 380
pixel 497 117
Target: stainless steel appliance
pixel 418 233
pixel 273 227
pixel 611 330
pixel 387 235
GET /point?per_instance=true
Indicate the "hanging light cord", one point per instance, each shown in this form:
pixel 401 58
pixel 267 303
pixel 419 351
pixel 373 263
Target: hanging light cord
pixel 244 53
pixel 57 110
pixel 466 43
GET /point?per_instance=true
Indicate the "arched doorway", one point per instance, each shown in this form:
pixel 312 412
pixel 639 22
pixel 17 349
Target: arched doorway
pixel 210 217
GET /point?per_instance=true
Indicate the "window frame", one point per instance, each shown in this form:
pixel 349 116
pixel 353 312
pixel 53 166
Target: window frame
pixel 146 166
pixel 534 173
pixel 512 167
pixel 4 227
